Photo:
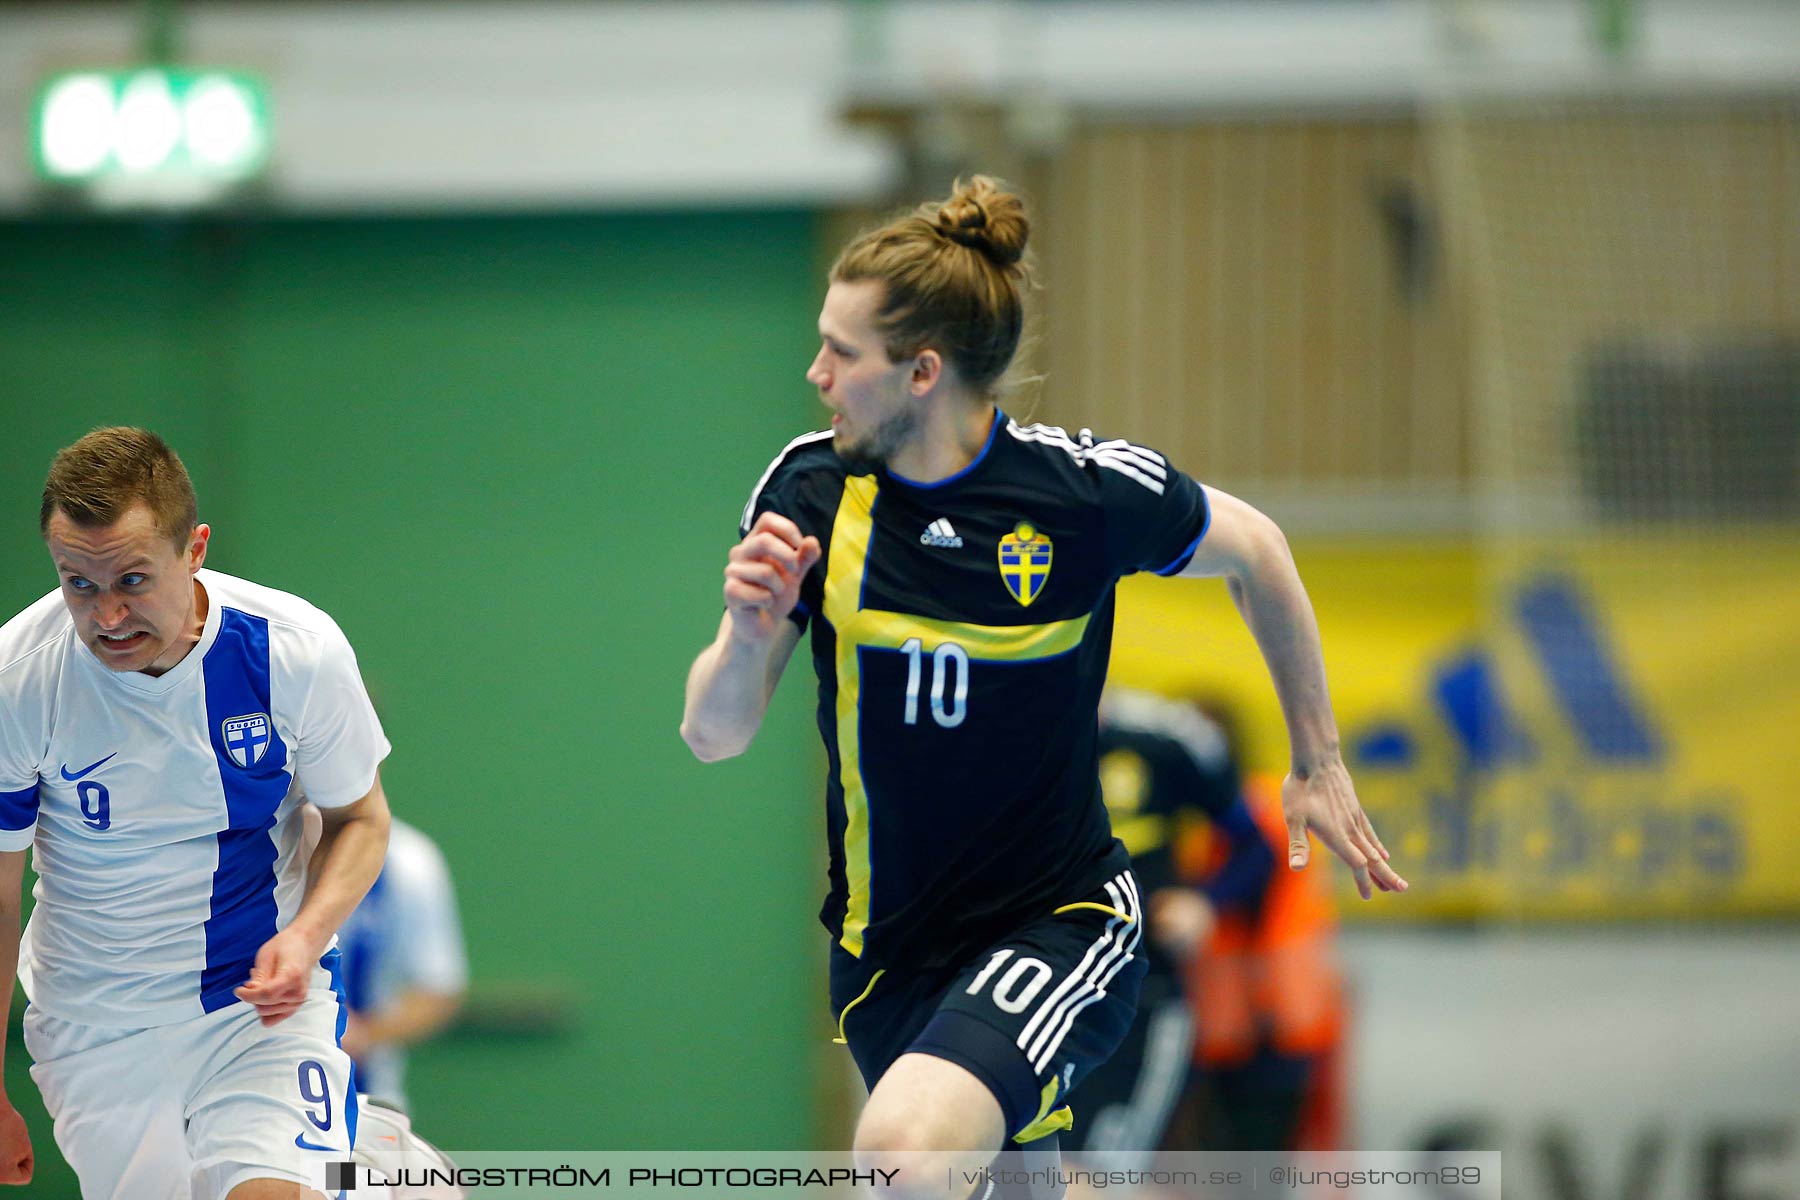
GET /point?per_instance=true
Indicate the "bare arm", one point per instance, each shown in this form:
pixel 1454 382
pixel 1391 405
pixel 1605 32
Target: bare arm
pixel 729 685
pixel 15 1142
pixel 1249 551
pixel 416 1015
pixel 729 688
pixel 351 849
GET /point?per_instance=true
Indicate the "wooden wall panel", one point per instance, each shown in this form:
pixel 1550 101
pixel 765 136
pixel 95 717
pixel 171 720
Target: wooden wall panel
pixel 1230 292
pixel 1334 311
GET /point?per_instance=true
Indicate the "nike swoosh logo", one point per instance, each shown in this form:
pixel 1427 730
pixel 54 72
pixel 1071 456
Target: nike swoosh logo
pixel 300 1141
pixel 87 770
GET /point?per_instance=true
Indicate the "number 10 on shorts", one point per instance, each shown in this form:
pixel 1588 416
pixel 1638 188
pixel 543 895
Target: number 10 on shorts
pixel 1018 987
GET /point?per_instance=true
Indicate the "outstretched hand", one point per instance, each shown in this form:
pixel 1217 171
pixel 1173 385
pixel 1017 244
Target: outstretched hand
pixel 763 574
pixel 1325 803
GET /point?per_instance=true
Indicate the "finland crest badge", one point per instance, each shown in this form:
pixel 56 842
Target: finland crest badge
pixel 1025 562
pixel 246 738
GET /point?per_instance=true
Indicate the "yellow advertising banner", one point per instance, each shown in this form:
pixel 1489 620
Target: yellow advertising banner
pixel 1583 729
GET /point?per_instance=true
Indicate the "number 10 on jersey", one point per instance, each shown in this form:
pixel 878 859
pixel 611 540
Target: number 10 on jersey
pixel 948 660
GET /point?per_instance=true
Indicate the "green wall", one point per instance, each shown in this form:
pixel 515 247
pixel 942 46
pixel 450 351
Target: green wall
pixel 507 455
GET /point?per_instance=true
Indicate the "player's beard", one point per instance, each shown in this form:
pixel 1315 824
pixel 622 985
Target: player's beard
pixel 877 447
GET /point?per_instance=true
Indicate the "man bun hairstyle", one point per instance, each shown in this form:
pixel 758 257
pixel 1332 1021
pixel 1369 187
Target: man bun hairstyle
pixel 954 275
pixel 984 218
pixel 96 480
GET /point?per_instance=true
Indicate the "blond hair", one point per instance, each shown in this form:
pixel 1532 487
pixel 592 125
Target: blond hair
pixel 97 479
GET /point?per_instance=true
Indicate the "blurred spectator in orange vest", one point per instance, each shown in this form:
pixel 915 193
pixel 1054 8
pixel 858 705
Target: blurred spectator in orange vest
pixel 1163 766
pixel 1269 1005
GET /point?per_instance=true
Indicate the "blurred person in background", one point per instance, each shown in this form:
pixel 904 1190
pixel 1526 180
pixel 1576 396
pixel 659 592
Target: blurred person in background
pixel 957 571
pixel 405 972
pixel 1164 767
pixel 405 965
pixel 1269 1000
pixel 162 730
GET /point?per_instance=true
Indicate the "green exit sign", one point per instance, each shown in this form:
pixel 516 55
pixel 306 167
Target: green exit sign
pixel 151 123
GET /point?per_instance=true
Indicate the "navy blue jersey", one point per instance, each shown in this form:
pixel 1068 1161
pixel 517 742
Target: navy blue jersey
pixel 960 633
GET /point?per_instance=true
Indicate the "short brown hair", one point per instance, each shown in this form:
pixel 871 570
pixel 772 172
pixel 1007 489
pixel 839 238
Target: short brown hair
pixel 98 479
pixel 955 274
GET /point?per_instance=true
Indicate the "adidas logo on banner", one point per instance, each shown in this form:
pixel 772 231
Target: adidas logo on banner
pixel 939 533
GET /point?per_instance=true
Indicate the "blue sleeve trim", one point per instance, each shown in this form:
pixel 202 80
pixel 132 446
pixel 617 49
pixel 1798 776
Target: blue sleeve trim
pixel 19 810
pixel 1182 559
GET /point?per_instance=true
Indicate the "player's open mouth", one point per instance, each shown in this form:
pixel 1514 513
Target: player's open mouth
pixel 122 641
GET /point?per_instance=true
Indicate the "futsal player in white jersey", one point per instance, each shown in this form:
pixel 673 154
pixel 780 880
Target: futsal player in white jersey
pixel 161 727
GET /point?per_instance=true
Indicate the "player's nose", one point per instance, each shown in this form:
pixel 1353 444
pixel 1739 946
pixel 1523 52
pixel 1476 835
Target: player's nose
pixel 110 614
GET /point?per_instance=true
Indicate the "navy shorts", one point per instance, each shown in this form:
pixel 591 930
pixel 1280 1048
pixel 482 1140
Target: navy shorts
pixel 1124 1110
pixel 1029 1016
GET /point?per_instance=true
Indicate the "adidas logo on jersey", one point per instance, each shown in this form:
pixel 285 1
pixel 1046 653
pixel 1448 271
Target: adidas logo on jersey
pixel 939 533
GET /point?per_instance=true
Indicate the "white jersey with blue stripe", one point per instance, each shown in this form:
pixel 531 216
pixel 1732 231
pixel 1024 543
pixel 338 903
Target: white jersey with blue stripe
pixel 163 812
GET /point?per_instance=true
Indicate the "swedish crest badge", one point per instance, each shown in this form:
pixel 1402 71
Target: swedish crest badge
pixel 1025 562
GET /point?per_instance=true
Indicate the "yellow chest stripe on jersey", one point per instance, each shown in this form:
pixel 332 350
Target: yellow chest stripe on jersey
pixel 1012 643
pixel 843 593
pixel 859 627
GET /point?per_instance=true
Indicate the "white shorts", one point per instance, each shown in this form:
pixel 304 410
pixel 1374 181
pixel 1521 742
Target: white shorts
pixel 196 1108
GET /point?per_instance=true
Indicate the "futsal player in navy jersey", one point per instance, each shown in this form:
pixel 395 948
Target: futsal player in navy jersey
pixel 956 571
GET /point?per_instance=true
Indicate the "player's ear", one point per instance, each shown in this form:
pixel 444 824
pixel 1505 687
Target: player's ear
pixel 196 552
pixel 927 369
